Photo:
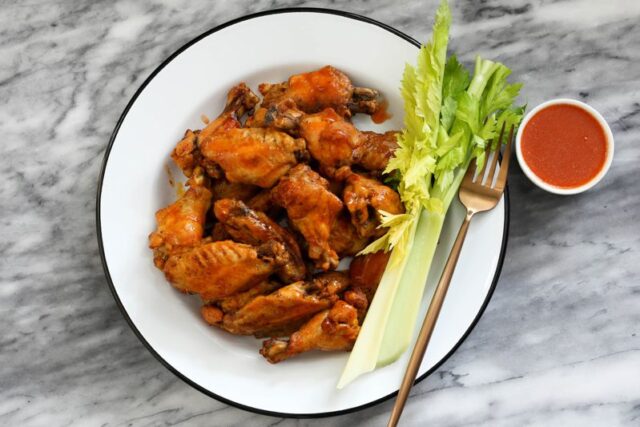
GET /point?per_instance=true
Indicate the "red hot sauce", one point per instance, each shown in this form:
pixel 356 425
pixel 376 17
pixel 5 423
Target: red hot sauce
pixel 564 145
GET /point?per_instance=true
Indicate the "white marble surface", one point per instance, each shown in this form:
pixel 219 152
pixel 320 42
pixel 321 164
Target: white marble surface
pixel 558 345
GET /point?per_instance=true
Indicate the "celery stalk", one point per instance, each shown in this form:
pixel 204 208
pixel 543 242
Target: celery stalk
pixel 449 121
pixel 367 346
pixel 399 328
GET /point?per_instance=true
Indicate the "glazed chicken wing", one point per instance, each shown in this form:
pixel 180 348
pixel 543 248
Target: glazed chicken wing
pixel 253 156
pixel 320 89
pixel 330 330
pixel 180 225
pixel 375 150
pixel 344 238
pixel 312 209
pixel 334 141
pixel 365 272
pixel 253 227
pixel 218 269
pixel 331 140
pixel 284 310
pixel 364 197
pixel 186 154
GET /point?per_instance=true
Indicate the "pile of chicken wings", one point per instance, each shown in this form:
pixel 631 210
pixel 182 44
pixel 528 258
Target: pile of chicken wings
pixel 271 207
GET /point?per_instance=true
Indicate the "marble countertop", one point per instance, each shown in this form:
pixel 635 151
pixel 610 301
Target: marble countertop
pixel 559 343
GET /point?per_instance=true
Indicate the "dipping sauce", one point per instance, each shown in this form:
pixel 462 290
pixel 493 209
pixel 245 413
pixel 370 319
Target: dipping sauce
pixel 564 145
pixel 381 114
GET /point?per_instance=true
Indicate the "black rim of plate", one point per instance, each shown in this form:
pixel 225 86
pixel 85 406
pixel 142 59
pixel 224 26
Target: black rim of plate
pixel 106 267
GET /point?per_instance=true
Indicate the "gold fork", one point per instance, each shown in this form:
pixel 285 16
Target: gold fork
pixel 477 196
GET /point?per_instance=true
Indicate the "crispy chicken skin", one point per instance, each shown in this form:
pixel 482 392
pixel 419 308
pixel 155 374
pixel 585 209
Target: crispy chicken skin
pixel 253 227
pixel 186 154
pixel 312 209
pixel 344 238
pixel 180 225
pixel 330 330
pixel 253 156
pixel 364 197
pixel 284 310
pixel 320 89
pixel 218 269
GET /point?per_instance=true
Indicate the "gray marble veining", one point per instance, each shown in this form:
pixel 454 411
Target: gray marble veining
pixel 559 344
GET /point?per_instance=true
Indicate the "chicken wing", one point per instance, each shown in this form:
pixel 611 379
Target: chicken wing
pixel 365 272
pixel 344 238
pixel 330 330
pixel 235 302
pixel 375 150
pixel 186 154
pixel 334 141
pixel 213 312
pixel 253 156
pixel 283 311
pixel 364 198
pixel 218 269
pixel 180 225
pixel 320 89
pixel 331 140
pixel 312 209
pixel 253 227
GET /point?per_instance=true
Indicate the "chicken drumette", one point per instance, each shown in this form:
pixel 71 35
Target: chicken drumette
pixel 333 329
pixel 312 209
pixel 314 91
pixel 334 141
pixel 187 155
pixel 364 198
pixel 181 224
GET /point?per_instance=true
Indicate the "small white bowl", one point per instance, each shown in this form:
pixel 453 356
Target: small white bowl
pixel 545 185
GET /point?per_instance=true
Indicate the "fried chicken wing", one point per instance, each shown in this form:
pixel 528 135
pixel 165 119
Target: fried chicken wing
pixel 364 197
pixel 312 209
pixel 235 302
pixel 181 224
pixel 253 156
pixel 365 272
pixel 334 141
pixel 330 330
pixel 284 310
pixel 218 269
pixel 320 89
pixel 344 238
pixel 253 227
pixel 375 150
pixel 331 140
pixel 186 154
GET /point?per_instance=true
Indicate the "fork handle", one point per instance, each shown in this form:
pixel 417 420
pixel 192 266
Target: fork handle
pixel 429 323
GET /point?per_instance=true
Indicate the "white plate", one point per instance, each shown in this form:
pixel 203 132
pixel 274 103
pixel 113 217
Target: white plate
pixel 266 47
